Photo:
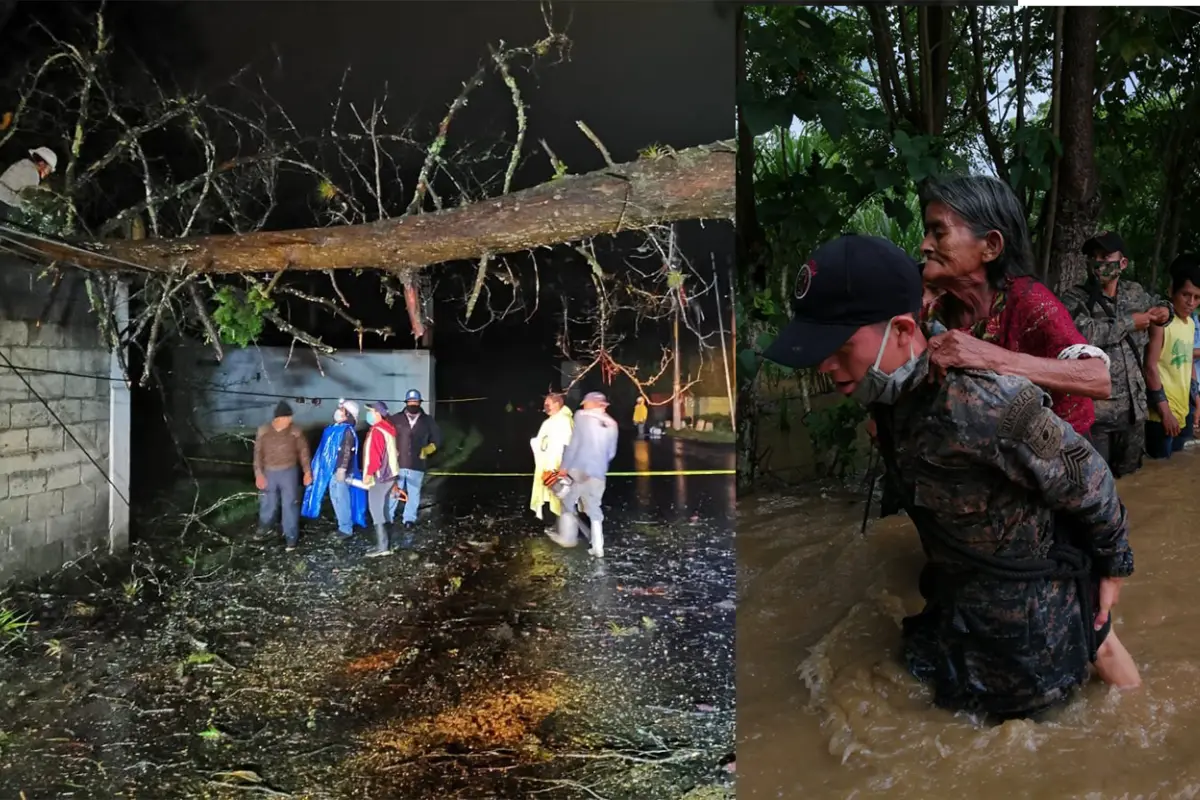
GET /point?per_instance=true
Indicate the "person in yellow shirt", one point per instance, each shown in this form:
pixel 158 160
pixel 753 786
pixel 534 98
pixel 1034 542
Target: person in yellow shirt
pixel 1168 363
pixel 640 413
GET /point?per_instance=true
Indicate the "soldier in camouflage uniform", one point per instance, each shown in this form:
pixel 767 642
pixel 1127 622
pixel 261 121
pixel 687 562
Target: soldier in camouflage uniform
pixel 1114 315
pixel 1014 613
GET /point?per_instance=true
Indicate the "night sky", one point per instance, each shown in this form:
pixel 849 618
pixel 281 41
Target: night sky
pixel 640 73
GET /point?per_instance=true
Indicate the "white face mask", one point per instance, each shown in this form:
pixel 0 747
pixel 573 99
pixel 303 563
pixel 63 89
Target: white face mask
pixel 878 387
pixel 339 416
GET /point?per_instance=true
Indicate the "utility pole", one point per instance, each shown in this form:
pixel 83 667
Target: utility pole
pixel 677 401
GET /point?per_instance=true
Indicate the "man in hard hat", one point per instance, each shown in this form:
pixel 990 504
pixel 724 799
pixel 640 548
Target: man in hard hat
pixel 585 463
pixel 281 456
pixel 333 466
pixel 28 173
pixel 417 438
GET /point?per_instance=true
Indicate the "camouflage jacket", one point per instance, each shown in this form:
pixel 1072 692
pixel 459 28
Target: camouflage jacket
pixel 985 469
pixel 1107 322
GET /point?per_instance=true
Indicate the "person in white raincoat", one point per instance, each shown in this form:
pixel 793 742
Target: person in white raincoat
pixel 548 446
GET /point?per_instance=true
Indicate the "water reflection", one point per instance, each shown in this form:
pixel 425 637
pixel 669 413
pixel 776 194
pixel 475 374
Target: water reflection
pixel 641 463
pixel 680 480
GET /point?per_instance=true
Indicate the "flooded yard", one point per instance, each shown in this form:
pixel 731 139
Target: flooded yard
pixel 486 662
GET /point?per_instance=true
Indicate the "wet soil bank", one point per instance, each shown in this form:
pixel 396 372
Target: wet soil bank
pixel 486 662
pixel 826 708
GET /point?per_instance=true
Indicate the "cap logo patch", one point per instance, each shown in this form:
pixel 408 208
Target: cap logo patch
pixel 804 279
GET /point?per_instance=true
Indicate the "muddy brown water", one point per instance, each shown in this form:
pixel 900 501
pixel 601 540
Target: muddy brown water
pixel 826 709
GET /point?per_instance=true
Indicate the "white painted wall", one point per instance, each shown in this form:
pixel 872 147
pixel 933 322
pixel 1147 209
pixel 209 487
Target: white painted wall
pixel 118 436
pixel 234 396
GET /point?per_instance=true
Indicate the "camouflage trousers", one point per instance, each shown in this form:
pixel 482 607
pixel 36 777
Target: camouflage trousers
pixel 1122 447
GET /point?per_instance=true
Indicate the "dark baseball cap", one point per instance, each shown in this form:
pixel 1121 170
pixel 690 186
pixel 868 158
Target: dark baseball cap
pixel 848 283
pixel 1105 242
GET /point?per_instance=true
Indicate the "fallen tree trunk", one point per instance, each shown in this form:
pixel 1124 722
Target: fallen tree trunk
pixel 696 183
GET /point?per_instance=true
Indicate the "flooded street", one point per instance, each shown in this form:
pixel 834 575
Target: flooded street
pixel 826 709
pixel 486 663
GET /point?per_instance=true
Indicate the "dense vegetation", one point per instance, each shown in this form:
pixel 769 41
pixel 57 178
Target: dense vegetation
pixel 1090 114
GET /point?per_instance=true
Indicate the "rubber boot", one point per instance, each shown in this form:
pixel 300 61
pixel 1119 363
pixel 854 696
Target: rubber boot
pixel 381 543
pixel 597 548
pixel 567 534
pixel 406 538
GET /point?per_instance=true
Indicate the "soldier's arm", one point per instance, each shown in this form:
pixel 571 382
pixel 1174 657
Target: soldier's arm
pixel 1102 331
pixel 1038 450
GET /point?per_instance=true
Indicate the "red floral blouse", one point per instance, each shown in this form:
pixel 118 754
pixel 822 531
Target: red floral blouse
pixel 1026 317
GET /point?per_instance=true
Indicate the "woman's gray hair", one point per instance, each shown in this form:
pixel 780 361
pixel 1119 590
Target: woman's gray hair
pixel 987 204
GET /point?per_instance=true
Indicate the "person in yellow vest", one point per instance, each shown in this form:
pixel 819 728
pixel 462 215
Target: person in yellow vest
pixel 1168 363
pixel 553 437
pixel 640 413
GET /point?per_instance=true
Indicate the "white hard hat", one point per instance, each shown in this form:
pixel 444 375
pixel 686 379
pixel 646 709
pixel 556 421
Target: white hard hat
pixel 350 406
pixel 47 155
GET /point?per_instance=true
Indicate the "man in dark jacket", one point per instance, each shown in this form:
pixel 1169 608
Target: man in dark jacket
pixel 417 438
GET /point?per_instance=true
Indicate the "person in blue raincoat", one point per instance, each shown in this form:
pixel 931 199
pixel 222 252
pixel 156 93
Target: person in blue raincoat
pixel 336 462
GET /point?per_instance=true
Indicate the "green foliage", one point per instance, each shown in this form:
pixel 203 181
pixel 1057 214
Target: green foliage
pixel 13 627
pixel 239 315
pixel 46 212
pixel 833 432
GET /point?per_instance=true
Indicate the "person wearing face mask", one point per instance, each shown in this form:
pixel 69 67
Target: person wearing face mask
pixel 548 446
pixel 1013 611
pixel 1116 315
pixel 333 467
pixel 381 466
pixel 417 438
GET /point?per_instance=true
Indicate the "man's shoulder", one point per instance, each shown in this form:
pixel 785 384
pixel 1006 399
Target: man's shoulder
pixel 990 405
pixel 1133 293
pixel 1076 298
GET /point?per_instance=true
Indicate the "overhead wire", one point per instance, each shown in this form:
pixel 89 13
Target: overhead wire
pixel 19 372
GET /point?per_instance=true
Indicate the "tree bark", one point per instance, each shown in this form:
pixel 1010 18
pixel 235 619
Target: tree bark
pixel 696 183
pixel 1079 198
pixel 1050 203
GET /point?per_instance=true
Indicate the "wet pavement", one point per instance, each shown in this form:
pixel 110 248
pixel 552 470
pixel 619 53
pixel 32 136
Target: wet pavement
pixel 487 662
pixel 827 710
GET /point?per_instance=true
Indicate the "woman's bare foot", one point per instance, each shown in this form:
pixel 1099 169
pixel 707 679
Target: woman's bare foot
pixel 1114 664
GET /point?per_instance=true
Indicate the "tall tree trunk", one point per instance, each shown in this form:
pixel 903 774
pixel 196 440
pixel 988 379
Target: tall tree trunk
pixel 1079 196
pixel 1050 203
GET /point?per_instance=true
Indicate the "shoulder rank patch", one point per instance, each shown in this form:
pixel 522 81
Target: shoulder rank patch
pixel 1075 458
pixel 1027 421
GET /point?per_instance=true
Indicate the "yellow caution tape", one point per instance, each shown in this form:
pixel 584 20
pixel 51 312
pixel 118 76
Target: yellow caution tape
pixel 441 474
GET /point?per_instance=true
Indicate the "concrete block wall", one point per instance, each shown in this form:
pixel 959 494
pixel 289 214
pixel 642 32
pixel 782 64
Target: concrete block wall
pixel 54 502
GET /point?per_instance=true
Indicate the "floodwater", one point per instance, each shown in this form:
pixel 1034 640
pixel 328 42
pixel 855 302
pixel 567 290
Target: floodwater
pixel 486 663
pixel 826 709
